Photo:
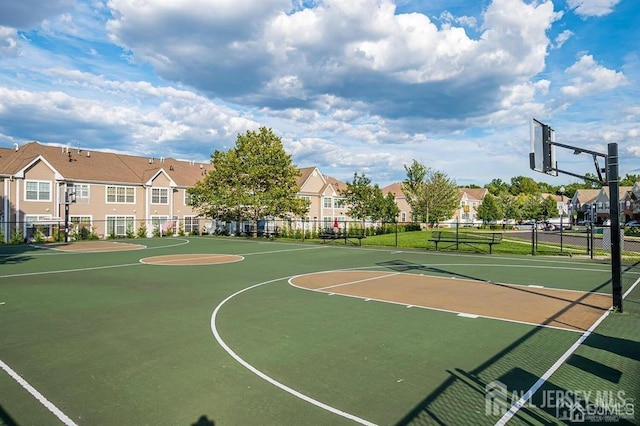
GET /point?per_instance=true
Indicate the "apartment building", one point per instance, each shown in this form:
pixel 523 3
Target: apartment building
pixel 593 204
pixel 113 194
pixel 43 187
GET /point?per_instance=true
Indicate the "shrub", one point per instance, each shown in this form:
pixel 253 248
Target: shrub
pixel 130 233
pixel 142 230
pixel 92 235
pixel 38 236
pixel 17 237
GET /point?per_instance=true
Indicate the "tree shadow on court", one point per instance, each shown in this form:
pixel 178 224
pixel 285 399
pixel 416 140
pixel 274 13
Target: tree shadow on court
pixel 404 266
pixel 623 347
pixel 464 396
pixel 14 254
pixel 6 419
pixel 203 420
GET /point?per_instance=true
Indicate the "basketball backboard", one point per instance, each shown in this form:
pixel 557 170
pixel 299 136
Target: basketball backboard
pixel 542 157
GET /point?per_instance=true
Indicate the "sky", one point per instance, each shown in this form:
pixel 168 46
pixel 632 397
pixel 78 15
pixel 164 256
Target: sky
pixel 351 86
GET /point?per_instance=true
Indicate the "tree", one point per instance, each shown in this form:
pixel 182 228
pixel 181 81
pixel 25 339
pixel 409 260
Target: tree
pixel 389 208
pixel 511 208
pixel 432 195
pixel 414 188
pixel 252 181
pixel 442 197
pixel 592 182
pixel 549 208
pixel 497 187
pixel 629 180
pixel 524 185
pixel 531 206
pixel 360 198
pixel 489 210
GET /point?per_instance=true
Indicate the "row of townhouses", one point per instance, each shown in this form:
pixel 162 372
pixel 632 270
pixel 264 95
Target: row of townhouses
pixel 114 194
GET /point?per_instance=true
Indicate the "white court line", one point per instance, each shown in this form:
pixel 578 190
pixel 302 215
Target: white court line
pixel 94 268
pixel 356 282
pixel 283 251
pixel 428 308
pixel 449 311
pixel 62 271
pixel 238 258
pixel 37 395
pixel 262 375
pixel 529 393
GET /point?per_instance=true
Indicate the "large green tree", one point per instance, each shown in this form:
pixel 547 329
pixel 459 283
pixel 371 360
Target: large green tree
pixel 510 205
pixel 524 185
pixel 629 180
pixel 414 188
pixel 432 195
pixel 497 187
pixel 490 209
pixel 254 180
pixel 363 200
pixel 549 208
pixel 530 206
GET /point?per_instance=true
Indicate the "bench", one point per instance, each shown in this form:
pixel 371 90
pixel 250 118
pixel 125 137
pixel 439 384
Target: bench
pixel 471 239
pixel 332 234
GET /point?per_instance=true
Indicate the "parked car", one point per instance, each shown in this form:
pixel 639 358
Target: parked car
pixel 633 223
pixel 529 225
pixel 555 224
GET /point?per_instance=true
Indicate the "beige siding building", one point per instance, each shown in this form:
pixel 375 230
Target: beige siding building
pixel 113 194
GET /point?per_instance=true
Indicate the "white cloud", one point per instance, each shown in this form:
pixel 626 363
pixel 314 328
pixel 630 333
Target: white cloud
pixel 562 38
pixel 8 42
pixel 587 8
pixel 349 85
pixel 265 54
pixel 27 13
pixel 589 78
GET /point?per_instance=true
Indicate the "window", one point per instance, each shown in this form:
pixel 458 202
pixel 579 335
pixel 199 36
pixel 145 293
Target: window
pixel 81 226
pixel 37 190
pixel 157 223
pixel 81 191
pixel 118 225
pixel 339 202
pixel 159 196
pixel 37 225
pixel 190 224
pixel 328 202
pixel 187 198
pixel 80 220
pixel 403 217
pixel 121 194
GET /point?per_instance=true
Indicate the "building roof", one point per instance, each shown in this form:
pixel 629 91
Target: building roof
pixel 473 193
pixel 81 165
pixel 395 189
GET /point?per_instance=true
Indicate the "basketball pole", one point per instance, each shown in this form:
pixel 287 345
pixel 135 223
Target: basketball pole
pixel 542 159
pixel 614 212
pixel 68 199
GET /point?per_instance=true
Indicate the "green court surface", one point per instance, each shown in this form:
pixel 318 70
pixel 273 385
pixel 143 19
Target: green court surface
pixel 100 338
